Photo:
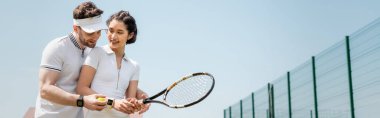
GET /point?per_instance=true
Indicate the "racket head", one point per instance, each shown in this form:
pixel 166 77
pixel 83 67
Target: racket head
pixel 189 90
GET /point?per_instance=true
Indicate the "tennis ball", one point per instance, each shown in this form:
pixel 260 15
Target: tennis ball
pixel 101 99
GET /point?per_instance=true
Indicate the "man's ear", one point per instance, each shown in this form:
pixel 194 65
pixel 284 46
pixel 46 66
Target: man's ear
pixel 75 28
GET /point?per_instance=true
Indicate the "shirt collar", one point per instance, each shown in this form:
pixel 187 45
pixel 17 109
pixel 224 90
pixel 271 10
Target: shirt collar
pixel 109 51
pixel 72 38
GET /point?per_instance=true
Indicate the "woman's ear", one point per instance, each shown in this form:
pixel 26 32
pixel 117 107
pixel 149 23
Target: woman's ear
pixel 131 35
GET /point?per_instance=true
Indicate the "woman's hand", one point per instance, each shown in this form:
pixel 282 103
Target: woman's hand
pixel 126 105
pixel 144 107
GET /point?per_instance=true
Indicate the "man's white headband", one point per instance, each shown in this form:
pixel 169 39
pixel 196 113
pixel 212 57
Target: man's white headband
pixel 91 25
pixel 88 21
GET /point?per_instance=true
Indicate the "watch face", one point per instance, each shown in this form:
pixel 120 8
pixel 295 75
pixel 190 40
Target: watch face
pixel 80 103
pixel 109 102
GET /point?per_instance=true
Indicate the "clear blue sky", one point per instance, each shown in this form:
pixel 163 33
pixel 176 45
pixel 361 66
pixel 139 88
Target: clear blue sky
pixel 244 43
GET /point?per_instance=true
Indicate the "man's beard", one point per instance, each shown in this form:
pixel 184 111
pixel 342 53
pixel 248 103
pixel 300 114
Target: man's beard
pixel 87 44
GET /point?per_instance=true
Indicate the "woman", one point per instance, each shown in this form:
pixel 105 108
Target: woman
pixel 108 71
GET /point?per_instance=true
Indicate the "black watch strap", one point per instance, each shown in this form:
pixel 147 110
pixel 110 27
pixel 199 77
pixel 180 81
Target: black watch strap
pixel 80 101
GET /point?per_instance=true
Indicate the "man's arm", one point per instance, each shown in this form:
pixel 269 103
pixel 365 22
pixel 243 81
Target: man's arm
pixel 50 92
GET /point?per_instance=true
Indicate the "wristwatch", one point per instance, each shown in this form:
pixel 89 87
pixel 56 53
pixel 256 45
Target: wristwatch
pixel 110 103
pixel 80 101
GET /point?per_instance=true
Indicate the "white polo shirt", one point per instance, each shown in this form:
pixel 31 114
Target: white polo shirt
pixel 66 57
pixel 108 79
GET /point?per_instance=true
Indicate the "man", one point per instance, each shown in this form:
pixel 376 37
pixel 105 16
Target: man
pixel 61 62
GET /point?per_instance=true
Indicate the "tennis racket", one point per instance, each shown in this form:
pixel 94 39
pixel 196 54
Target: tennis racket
pixel 187 91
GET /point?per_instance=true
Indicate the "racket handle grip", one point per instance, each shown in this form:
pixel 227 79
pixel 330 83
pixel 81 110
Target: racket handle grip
pixel 144 101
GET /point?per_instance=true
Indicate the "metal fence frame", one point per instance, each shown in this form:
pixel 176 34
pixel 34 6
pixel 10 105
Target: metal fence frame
pixel 373 34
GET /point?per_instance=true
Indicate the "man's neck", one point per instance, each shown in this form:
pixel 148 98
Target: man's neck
pixel 76 36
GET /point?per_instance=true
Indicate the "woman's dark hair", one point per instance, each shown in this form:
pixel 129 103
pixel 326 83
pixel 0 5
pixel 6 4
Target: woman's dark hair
pixel 86 10
pixel 129 22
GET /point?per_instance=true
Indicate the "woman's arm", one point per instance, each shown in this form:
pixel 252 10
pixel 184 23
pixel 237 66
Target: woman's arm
pixel 131 91
pixel 128 105
pixel 142 95
pixel 84 83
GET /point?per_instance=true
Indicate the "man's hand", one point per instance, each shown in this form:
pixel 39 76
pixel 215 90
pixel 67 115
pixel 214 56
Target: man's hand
pixel 91 102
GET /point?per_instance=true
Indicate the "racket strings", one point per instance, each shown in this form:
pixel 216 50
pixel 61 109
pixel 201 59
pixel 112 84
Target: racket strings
pixel 189 90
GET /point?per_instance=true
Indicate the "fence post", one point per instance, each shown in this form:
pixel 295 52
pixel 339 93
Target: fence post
pixel 350 77
pixel 224 113
pixel 289 95
pixel 270 101
pixel 311 113
pixel 272 95
pixel 241 108
pixel 230 111
pixel 253 105
pixel 315 87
